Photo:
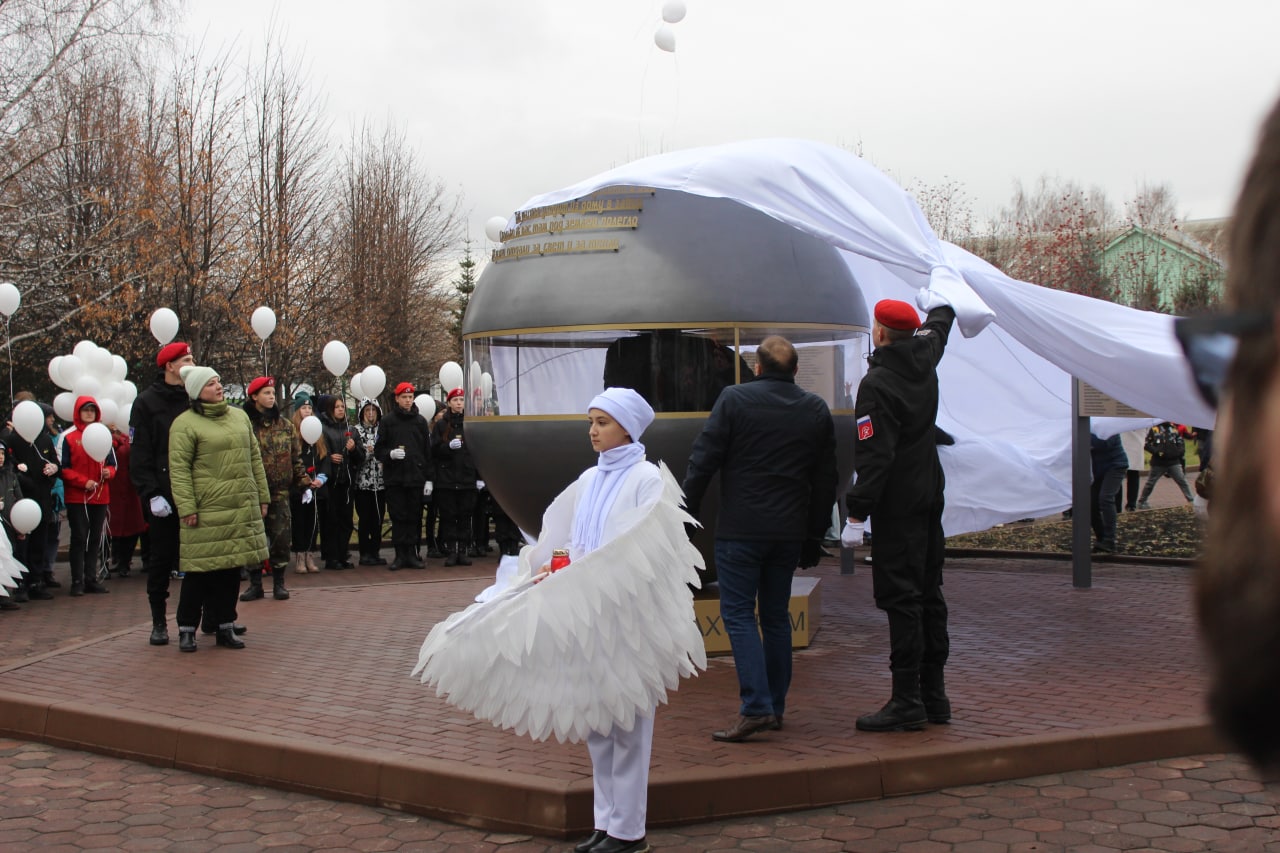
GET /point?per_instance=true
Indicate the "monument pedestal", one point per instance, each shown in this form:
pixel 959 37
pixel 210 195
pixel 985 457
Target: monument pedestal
pixel 805 608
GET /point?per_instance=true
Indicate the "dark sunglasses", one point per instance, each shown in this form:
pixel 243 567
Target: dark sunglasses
pixel 1210 345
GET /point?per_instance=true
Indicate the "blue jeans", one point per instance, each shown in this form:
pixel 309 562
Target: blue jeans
pixel 757 575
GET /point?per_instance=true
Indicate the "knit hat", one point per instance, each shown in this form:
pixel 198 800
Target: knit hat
pixel 626 407
pixel 456 392
pixel 403 387
pixel 171 352
pixel 258 384
pixel 896 314
pixel 195 378
pixel 324 403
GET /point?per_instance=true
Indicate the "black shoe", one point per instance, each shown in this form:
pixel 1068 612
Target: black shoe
pixel 617 845
pixel 186 641
pixel 461 558
pixel 744 728
pixel 591 841
pixel 452 559
pixel 366 560
pixel 434 552
pixel 253 593
pixel 474 551
pixel 50 582
pixel 96 589
pixel 20 596
pixel 412 560
pixel 77 590
pixel 123 573
pixel 226 637
pixel 38 594
pixel 279 593
pixel 237 627
pixel 898 715
pixel 333 565
pixel 160 635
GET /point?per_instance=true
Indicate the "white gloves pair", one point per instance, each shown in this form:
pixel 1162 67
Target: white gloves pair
pixel 427 488
pixel 397 454
pixel 160 507
pixel 851 535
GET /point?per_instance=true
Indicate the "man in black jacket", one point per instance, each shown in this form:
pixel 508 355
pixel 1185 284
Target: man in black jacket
pixel 900 483
pixel 775 449
pixel 153 413
pixel 37 466
pixel 457 483
pixel 404 449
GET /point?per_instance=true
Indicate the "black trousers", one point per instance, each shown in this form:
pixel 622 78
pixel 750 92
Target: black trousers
pixel 30 551
pixel 122 548
pixel 85 548
pixel 339 523
pixel 209 597
pixel 404 505
pixel 304 520
pixel 480 520
pixel 906 574
pixel 371 506
pixel 455 507
pixel 433 521
pixel 160 559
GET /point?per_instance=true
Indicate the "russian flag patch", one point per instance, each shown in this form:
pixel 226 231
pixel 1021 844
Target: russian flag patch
pixel 865 429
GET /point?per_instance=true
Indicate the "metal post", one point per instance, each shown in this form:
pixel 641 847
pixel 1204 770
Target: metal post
pixel 1081 477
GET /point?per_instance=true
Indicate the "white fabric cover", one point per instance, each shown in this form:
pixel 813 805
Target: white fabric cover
pixel 591 647
pixel 1005 393
pixel 10 568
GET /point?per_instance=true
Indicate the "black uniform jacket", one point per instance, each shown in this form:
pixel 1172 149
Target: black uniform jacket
pixel 408 430
pixel 774 445
pixel 455 469
pixel 895 450
pixel 154 411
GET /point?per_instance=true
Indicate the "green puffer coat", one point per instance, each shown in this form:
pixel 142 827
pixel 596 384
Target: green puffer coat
pixel 216 471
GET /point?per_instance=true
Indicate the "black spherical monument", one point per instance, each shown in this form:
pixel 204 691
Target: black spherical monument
pixel 658 290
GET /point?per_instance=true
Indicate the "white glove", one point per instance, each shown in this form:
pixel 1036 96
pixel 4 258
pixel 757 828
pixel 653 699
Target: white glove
pixel 456 444
pixel 160 507
pixel 397 454
pixel 851 535
pixel 427 488
pixel 480 485
pixel 308 496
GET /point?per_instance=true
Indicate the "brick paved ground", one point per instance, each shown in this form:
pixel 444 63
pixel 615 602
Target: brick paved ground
pixel 58 800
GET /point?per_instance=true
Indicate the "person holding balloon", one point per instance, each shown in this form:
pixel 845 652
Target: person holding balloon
pixel 457 482
pixel 371 489
pixel 88 464
pixel 305 496
pixel 346 456
pixel 36 462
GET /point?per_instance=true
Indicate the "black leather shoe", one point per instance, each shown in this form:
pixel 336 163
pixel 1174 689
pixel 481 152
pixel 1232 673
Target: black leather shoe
pixel 38 594
pixel 160 635
pixel 617 845
pixel 462 559
pixel 226 637
pixel 279 593
pixel 366 560
pixel 238 628
pixel 50 583
pixel 77 590
pixel 898 715
pixel 253 593
pixel 333 565
pixel 744 728
pixel 96 589
pixel 186 641
pixel 591 842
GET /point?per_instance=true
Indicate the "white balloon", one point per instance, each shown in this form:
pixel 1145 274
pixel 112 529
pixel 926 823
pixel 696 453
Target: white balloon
pixel 128 393
pixel 673 11
pixel 263 321
pixel 426 405
pixel 28 420
pixel 87 386
pixel 84 351
pixel 64 405
pixel 665 39
pixel 119 368
pixel 494 226
pixel 70 369
pixel 164 325
pixel 10 299
pixel 311 429
pixel 126 415
pixel 55 364
pixel 25 515
pixel 450 376
pixel 474 384
pixel 336 357
pixel 108 411
pixel 100 363
pixel 357 387
pixel 374 380
pixel 96 441
pixel 486 385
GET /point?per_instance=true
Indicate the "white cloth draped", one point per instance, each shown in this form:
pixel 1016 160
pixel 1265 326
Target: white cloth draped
pixel 1006 386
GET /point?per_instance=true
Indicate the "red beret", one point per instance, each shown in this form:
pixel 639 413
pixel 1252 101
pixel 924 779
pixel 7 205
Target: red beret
pixel 456 392
pixel 403 387
pixel 170 352
pixel 896 314
pixel 258 384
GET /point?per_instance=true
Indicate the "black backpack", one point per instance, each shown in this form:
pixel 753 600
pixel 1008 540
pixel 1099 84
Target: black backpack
pixel 1164 444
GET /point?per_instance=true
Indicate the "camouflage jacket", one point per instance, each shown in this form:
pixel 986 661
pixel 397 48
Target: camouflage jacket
pixel 281 450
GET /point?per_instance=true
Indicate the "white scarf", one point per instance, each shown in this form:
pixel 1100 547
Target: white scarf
pixel 594 506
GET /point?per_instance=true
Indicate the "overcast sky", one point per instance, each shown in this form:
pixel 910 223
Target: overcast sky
pixel 505 99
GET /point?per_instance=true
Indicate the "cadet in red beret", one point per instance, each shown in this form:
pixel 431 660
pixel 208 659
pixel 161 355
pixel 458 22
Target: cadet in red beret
pixel 899 481
pixel 258 384
pixel 172 352
pixel 405 388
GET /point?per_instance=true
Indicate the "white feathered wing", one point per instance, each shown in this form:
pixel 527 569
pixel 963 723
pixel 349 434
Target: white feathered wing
pixel 10 568
pixel 587 649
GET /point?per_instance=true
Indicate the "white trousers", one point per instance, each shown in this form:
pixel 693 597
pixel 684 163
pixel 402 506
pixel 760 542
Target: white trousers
pixel 620 774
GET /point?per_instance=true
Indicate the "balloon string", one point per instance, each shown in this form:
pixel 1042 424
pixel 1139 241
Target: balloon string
pixel 9 353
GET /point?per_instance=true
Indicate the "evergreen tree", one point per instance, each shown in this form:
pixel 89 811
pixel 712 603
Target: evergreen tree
pixel 465 284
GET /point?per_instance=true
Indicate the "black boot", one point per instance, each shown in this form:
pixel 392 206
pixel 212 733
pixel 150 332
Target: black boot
pixel 226 637
pixel 50 582
pixel 398 563
pixel 411 558
pixel 461 554
pixel 278 592
pixel 452 557
pixel 903 712
pixel 254 592
pixel 160 635
pixel 186 639
pixel 934 695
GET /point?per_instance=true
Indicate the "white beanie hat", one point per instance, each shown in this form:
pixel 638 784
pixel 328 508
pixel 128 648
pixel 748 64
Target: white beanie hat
pixel 626 407
pixel 195 378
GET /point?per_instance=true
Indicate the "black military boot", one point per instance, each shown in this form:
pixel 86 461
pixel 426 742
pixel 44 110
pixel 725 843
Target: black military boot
pixel 411 558
pixel 254 592
pixel 461 554
pixel 398 563
pixel 937 706
pixel 452 557
pixel 903 712
pixel 278 592
pixel 226 637
pixel 186 639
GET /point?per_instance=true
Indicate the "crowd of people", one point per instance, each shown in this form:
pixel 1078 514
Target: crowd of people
pixel 193 483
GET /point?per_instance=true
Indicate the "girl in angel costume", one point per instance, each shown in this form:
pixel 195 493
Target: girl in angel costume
pixel 590 651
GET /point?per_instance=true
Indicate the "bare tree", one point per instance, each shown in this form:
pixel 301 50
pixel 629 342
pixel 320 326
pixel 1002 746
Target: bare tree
pixel 947 206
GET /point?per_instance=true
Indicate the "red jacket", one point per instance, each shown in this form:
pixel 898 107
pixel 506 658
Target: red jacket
pixel 78 467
